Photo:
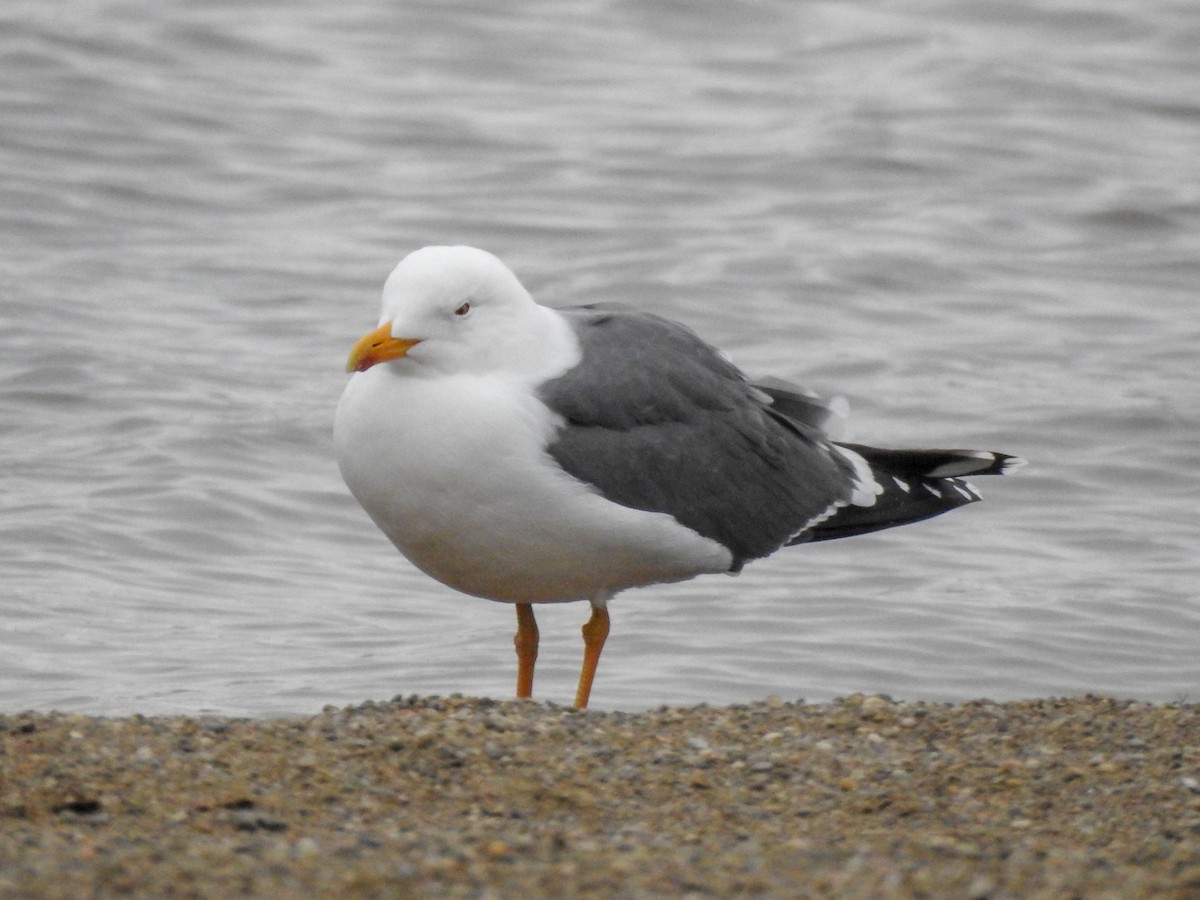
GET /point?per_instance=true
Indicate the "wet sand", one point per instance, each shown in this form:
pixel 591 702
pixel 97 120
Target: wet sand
pixel 1083 797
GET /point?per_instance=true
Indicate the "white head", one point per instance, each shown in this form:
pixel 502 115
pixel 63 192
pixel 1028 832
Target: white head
pixel 452 309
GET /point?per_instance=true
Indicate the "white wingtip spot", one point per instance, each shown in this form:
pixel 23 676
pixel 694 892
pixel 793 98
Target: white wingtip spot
pixel 903 485
pixel 863 484
pixel 968 491
pixel 1013 462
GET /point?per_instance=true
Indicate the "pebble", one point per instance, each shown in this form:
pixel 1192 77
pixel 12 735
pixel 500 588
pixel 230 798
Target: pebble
pixel 461 797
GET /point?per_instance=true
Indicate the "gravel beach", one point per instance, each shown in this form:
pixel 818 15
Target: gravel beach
pixel 863 797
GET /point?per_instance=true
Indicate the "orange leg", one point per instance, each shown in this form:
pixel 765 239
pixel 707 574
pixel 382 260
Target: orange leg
pixel 595 632
pixel 526 642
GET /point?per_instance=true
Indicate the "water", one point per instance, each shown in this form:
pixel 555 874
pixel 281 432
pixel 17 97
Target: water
pixel 978 222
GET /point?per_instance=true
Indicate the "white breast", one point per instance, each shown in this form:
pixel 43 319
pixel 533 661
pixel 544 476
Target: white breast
pixel 453 469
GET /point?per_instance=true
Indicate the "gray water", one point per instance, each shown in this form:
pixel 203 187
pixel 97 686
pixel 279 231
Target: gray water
pixel 979 223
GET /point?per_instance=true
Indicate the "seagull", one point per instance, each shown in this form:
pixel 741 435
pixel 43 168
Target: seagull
pixel 527 455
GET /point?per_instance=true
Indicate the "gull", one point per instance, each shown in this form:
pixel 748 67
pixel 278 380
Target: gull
pixel 528 455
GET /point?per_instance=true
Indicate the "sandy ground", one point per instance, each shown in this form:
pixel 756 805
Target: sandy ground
pixel 1085 797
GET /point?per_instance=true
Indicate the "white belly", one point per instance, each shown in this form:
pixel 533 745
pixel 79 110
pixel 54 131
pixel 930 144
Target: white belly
pixel 454 472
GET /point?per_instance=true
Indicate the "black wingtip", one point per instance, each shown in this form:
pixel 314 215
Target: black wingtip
pixel 938 463
pixel 913 485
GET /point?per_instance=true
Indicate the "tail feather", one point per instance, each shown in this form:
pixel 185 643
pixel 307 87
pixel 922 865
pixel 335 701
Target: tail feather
pixel 798 404
pixel 914 485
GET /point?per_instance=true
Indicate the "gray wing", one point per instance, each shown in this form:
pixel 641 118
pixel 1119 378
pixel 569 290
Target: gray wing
pixel 656 419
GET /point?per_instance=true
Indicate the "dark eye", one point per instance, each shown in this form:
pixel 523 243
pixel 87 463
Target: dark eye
pixel 463 310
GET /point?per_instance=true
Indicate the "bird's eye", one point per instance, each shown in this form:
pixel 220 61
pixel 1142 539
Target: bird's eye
pixel 463 310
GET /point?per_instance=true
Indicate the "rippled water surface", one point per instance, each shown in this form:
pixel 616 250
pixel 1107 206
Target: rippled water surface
pixel 979 222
